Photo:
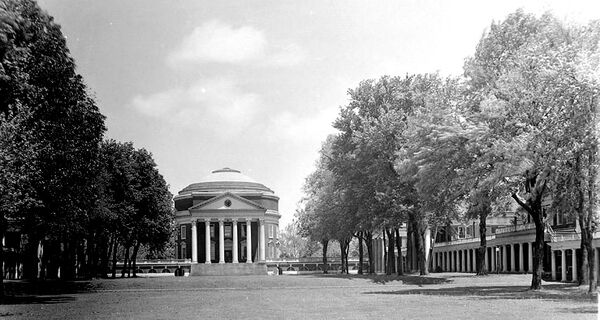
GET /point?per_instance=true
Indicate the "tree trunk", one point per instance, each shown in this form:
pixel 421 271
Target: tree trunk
pixel 590 223
pixel 134 259
pixel 114 259
pixel 324 243
pixel 343 254
pixel 369 243
pixel 538 256
pixel 480 266
pixel 360 253
pixel 125 259
pixel 536 184
pixel 3 227
pixel 399 247
pixel 391 257
pixel 105 256
pixel 419 229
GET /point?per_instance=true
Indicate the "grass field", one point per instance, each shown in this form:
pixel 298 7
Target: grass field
pixel 439 296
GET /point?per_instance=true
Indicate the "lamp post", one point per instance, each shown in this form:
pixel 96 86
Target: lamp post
pixel 497 260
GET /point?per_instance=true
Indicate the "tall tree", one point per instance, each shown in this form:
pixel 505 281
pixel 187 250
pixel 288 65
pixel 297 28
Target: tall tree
pixel 537 75
pixel 39 76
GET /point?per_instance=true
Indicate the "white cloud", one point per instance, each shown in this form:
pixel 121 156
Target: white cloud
pixel 217 42
pixel 211 103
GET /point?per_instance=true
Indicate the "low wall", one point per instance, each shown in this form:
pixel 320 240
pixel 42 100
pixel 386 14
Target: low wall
pixel 227 269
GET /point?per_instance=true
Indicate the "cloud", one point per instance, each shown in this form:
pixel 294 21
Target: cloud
pixel 210 103
pixel 216 42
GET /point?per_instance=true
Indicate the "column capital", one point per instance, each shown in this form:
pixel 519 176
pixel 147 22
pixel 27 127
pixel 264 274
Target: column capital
pixel 206 219
pixel 234 219
pixel 221 220
pixel 194 222
pixel 248 219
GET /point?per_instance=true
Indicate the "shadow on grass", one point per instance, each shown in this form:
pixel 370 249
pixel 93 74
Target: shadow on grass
pixel 42 292
pixel 549 292
pixel 383 279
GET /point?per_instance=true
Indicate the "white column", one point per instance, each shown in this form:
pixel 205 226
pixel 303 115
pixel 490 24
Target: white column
pixel 427 244
pixel 194 242
pixel 521 264
pixel 504 260
pixel 512 257
pixel 465 266
pixel 434 260
pixel 444 261
pixel 248 240
pixel 563 264
pixel 261 241
pixel 553 264
pixel 221 241
pixel 574 264
pixel 530 257
pixel 235 240
pixel 469 267
pixel 596 262
pixel 207 239
pixel 493 252
pixel 452 260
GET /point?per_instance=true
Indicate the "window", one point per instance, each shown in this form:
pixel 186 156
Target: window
pixel 461 232
pixel 182 255
pixel 271 230
pixel 243 229
pixel 212 230
pixel 183 232
pixel 228 232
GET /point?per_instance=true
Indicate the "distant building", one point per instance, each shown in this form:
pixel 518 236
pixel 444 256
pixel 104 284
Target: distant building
pixel 227 223
pixel 510 243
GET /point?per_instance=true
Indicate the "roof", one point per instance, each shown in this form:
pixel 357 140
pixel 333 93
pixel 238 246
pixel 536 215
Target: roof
pixel 223 180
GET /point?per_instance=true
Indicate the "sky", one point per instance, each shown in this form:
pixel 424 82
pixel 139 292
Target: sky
pixel 256 85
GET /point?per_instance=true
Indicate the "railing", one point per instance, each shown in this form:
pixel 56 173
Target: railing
pixel 520 227
pixel 463 241
pixel 565 237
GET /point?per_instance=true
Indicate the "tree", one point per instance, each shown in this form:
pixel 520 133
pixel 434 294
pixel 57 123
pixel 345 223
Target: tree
pixel 536 74
pixel 63 122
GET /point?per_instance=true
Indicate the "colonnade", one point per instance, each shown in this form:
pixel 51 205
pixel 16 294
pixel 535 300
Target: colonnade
pixel 563 264
pixel 234 221
pixel 497 258
pixel 509 258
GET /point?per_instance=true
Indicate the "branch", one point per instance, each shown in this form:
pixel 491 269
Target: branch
pixel 522 203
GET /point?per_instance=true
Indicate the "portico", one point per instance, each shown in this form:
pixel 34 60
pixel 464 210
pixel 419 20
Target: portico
pixel 228 215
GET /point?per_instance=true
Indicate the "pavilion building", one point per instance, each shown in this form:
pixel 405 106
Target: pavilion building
pixel 227 224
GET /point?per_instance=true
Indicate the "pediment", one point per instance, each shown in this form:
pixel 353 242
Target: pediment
pixel 227 201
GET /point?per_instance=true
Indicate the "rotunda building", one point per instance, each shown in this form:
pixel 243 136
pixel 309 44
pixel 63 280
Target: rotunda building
pixel 227 224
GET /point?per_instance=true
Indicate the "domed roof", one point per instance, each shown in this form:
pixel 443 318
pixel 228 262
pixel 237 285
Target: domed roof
pixel 225 179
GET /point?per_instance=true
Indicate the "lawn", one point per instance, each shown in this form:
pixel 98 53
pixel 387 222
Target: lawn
pixel 439 296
